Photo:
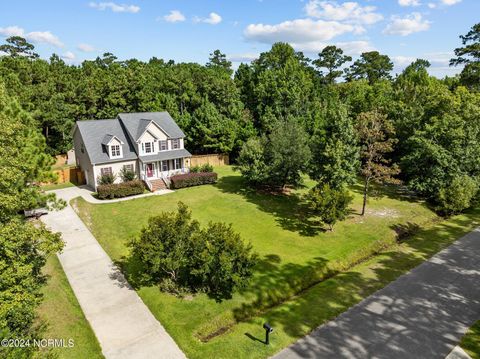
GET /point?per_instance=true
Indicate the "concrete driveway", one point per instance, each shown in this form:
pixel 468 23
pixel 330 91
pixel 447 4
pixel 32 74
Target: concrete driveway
pixel 422 314
pixel 124 326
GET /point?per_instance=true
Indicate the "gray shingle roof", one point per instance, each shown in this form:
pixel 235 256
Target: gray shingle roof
pixel 94 134
pixel 127 127
pixel 166 155
pixel 136 123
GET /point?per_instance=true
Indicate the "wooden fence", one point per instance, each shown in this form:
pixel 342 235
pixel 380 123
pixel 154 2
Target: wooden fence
pixel 71 174
pixel 213 159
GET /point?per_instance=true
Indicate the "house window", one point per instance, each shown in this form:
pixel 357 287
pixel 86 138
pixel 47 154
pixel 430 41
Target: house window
pixel 163 145
pixel 175 143
pixel 115 151
pixel 128 168
pixel 106 171
pixel 148 147
pixel 177 163
pixel 164 166
pixel 82 148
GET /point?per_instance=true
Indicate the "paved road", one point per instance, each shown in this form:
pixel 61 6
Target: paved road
pixel 124 326
pixel 422 314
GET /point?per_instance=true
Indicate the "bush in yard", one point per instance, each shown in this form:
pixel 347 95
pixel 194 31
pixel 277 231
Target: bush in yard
pixel 193 179
pixel 173 252
pixel 207 167
pixel 106 179
pixel 127 175
pixel 458 195
pixel 119 190
pixel 329 204
pixel 194 169
pixel 220 260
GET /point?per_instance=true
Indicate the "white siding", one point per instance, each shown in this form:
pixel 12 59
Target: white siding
pixel 116 167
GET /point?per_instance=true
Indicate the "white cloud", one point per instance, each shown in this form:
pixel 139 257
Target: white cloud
pixel 355 47
pixel 408 25
pixel 247 57
pixel 351 12
pixel 11 31
pixel 402 61
pixel 85 48
pixel 409 2
pixel 115 7
pixel 212 19
pixel 69 56
pixel 450 2
pixel 300 31
pixel 431 5
pixel 174 16
pixel 45 37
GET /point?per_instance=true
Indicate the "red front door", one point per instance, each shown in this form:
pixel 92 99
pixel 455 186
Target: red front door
pixel 149 169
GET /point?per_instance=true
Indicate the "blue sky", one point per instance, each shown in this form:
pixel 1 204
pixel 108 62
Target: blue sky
pixel 188 30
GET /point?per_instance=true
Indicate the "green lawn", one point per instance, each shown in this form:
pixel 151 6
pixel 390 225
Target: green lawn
pixel 53 186
pixel 471 341
pixel 63 316
pixel 295 254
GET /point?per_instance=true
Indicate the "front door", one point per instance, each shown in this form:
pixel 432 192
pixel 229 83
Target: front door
pixel 150 169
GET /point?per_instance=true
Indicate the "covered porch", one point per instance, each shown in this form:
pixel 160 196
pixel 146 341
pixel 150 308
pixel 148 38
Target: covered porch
pixel 152 171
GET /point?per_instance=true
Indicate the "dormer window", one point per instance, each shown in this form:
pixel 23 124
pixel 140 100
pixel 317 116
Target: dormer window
pixel 115 151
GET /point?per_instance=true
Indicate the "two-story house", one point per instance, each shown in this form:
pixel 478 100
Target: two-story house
pixel 149 144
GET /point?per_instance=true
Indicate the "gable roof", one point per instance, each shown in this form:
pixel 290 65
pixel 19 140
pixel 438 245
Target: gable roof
pixel 95 132
pixel 108 138
pixel 136 123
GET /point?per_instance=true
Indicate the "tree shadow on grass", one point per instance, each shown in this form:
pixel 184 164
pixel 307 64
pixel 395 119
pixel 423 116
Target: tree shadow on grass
pixel 288 209
pixel 407 318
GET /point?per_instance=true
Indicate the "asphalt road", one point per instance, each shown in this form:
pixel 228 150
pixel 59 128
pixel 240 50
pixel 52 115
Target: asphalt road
pixel 422 314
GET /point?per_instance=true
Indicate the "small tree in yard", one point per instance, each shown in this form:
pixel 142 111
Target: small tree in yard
pixel 329 204
pixel 175 253
pixel 220 260
pixel 106 179
pixel 127 175
pixel 375 131
pixel 458 195
pixel 163 246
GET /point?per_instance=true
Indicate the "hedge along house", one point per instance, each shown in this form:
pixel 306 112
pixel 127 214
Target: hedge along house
pixel 150 144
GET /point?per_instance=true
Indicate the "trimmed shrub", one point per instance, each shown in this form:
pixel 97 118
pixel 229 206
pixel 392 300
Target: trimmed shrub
pixel 106 179
pixel 193 179
pixel 207 167
pixel 119 190
pixel 127 175
pixel 195 169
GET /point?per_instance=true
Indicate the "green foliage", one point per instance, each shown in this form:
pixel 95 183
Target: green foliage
pixel 219 60
pixel 458 195
pixel 106 179
pixel 469 56
pixel 376 133
pixel 24 246
pixel 127 175
pixel 119 190
pixel 207 167
pixel 193 179
pixel 329 204
pixel 175 253
pixel 276 161
pixel 17 46
pixel 335 153
pixel 195 169
pixel 371 66
pixel 332 59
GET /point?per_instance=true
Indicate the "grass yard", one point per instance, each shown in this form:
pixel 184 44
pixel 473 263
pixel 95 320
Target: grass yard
pixel 64 317
pixel 471 341
pixel 53 186
pixel 295 255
